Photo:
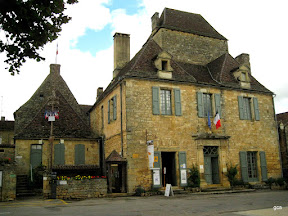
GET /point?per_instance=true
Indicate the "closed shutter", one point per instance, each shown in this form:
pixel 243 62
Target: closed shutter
pixel 241 107
pixel 182 168
pixel 256 109
pixel 59 154
pixel 157 172
pixel 218 104
pixel 244 165
pixel 263 166
pixel 108 111
pixel 155 101
pixel 79 154
pixel 177 96
pixel 114 107
pixel 200 104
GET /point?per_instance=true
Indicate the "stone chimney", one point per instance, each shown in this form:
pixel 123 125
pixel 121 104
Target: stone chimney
pixel 244 59
pixel 99 92
pixel 55 69
pixel 121 52
pixel 155 21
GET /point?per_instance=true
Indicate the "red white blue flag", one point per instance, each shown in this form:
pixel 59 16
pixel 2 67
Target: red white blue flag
pixel 217 121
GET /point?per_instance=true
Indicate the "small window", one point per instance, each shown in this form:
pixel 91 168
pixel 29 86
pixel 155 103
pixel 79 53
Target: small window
pixel 165 102
pixel 102 117
pixel 164 65
pixel 36 146
pixel 252 165
pixel 207 104
pixel 243 77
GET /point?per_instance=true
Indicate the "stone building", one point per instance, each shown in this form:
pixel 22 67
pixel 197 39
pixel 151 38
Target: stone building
pixel 282 120
pixel 52 130
pixel 168 93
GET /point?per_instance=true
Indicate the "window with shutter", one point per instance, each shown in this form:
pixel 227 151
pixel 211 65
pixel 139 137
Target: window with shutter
pixel 59 154
pixel 114 107
pixel 155 101
pixel 79 154
pixel 263 166
pixel 165 102
pixel 108 112
pixel 177 97
pixel 204 104
pixel 245 111
pixel 244 168
pixel 256 109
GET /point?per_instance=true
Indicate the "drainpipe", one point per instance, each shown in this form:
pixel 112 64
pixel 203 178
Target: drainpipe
pixel 121 118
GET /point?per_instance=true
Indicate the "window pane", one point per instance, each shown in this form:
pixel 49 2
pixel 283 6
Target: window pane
pixel 165 102
pixel 247 108
pixel 207 104
pixel 252 165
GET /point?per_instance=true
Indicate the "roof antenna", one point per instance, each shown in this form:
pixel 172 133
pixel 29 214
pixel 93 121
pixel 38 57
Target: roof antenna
pixel 1 106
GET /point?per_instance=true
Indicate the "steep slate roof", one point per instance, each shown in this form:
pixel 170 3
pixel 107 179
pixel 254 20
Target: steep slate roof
pixel 282 117
pixel 72 122
pixel 6 125
pixel 188 22
pixel 218 73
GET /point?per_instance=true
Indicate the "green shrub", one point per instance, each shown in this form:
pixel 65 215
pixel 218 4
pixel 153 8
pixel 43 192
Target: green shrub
pixel 139 190
pixel 280 181
pixel 231 174
pixel 194 177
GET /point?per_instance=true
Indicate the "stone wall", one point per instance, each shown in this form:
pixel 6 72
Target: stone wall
pixel 8 189
pixel 81 189
pixel 190 48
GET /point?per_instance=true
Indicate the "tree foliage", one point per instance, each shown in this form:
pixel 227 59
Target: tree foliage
pixel 28 25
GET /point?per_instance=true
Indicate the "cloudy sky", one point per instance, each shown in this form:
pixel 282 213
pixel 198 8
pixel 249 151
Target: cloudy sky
pixel 257 27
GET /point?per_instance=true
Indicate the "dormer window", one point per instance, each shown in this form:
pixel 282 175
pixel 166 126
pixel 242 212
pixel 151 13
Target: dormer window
pixel 163 64
pixel 242 75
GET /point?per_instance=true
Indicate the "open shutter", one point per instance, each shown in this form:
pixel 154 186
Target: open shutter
pixel 244 165
pixel 200 104
pixel 256 109
pixel 263 166
pixel 108 111
pixel 182 168
pixel 217 104
pixel 114 107
pixel 241 107
pixel 157 170
pixel 155 101
pixel 59 154
pixel 79 154
pixel 177 96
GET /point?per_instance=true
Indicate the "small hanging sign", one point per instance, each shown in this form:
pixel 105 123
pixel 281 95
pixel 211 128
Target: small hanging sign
pixel 168 190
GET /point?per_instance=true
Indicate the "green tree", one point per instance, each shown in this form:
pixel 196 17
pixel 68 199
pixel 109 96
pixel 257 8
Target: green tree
pixel 28 25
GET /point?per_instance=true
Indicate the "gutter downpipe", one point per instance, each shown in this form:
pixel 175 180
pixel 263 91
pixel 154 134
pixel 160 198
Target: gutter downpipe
pixel 121 120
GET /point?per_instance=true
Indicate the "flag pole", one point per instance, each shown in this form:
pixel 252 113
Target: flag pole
pixel 56 54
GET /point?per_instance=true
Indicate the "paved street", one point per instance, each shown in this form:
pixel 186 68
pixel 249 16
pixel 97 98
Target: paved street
pixel 253 203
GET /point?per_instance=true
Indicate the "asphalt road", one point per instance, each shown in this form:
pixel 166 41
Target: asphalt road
pixel 253 203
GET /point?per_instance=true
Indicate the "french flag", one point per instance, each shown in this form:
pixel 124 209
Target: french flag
pixel 217 120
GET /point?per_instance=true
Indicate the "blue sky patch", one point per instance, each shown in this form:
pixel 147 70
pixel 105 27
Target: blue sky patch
pixel 95 41
pixel 131 6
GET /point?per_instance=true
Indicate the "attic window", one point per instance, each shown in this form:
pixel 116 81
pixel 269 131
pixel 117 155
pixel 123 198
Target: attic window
pixel 41 96
pixel 164 65
pixel 244 77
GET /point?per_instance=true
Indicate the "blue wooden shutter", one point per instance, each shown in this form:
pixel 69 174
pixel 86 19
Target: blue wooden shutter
pixel 218 104
pixel 108 111
pixel 200 104
pixel 177 96
pixel 256 109
pixel 263 166
pixel 244 165
pixel 241 107
pixel 59 154
pixel 182 168
pixel 79 154
pixel 155 101
pixel 114 107
pixel 157 164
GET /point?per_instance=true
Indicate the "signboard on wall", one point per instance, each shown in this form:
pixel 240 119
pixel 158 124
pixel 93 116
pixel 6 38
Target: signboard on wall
pixel 1 174
pixel 150 149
